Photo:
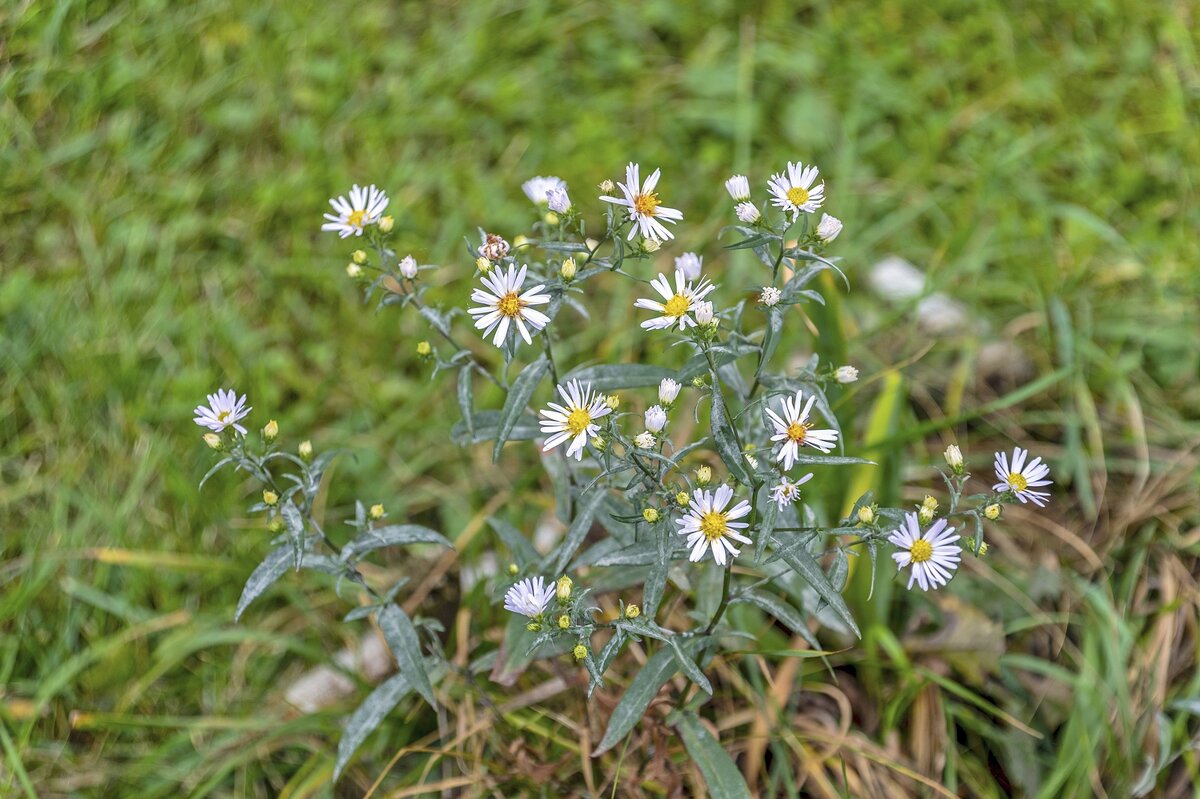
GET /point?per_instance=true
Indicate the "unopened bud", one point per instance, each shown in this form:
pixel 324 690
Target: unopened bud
pixel 924 515
pixel 564 621
pixel 580 651
pixel 359 256
pixel 550 218
pixel 681 499
pixel 483 264
pixel 386 223
pixel 408 267
pixel 353 270
pixel 424 349
pixel 992 511
pixel 276 525
pixel 703 475
pixel 376 512
pixel 567 270
pixel 513 568
pixel 704 313
pixel 632 611
pixel 606 186
pixel 651 245
pixel 930 503
pixel 612 401
pixel 213 440
pixel 845 374
pixel 954 458
pixel 271 430
pixel 562 589
pixel 599 443
pixel 270 497
pixel 533 626
pixel 650 515
pixel 306 450
pixel 983 549
pixel 866 514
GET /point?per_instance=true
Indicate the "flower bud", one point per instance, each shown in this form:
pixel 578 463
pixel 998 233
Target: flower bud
pixel 550 218
pixel 954 458
pixel 703 475
pixel 704 313
pixel 992 511
pixel 612 401
pixel 632 611
pixel 271 430
pixel 580 651
pixel 358 257
pixel 681 499
pixel 276 525
pixel 770 296
pixel 386 223
pixel 747 212
pixel 306 450
pixel 513 568
pixel 738 187
pixel 644 440
pixel 650 515
pixel 270 497
pixel 213 440
pixel 534 627
pixel 698 381
pixel 690 264
pixel 353 270
pixel 483 264
pixel 562 588
pixel 564 621
pixel 606 186
pixel 558 200
pixel 828 228
pixel 599 443
pixel 668 390
pixel 930 502
pixel 424 349
pixel 651 245
pixel 845 374
pixel 925 515
pixel 567 270
pixel 656 418
pixel 866 514
pixel 983 549
pixel 376 512
pixel 520 240
pixel 408 267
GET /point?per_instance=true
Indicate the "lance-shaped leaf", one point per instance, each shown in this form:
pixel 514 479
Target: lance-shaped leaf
pixel 390 536
pixel 804 564
pixel 466 398
pixel 804 459
pixel 781 610
pixel 725 439
pixel 658 669
pixel 521 547
pixel 485 425
pixel 402 639
pixel 585 513
pixel 611 376
pixel 518 399
pixel 720 772
pixel 689 666
pixel 438 319
pixel 367 716
pixel 770 338
pixel 274 566
pixel 295 529
pixel 770 514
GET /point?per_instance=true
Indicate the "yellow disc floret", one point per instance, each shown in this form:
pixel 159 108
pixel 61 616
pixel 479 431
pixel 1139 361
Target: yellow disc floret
pixel 714 525
pixel 797 196
pixel 921 550
pixel 646 204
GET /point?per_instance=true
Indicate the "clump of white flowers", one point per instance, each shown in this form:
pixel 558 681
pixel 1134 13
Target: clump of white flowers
pixel 674 490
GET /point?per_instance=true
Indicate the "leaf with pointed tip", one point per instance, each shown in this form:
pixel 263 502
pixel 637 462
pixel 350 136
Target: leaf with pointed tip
pixel 485 425
pixel 585 513
pixel 770 338
pixel 295 528
pixel 216 468
pixel 724 438
pixel 611 376
pixel 804 564
pixel 402 639
pixel 466 399
pixel 828 460
pixel 781 610
pixel 392 535
pixel 517 401
pixel 721 774
pixel 521 548
pixel 637 697
pixel 770 514
pixel 689 666
pixel 367 716
pixel 274 566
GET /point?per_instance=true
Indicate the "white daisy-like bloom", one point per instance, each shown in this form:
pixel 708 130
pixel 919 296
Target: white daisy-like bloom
pixel 668 390
pixel 704 313
pixel 408 267
pixel 828 228
pixel 690 264
pixel 933 555
pixel 793 190
pixel 645 440
pixel 709 525
pixel 1022 477
pixel 493 247
pixel 575 420
pixel 794 428
pixel 529 597
pixel 845 374
pixel 738 187
pixel 503 304
pixel 656 418
pixel 224 409
pixel 558 200
pixel 538 189
pixel 788 491
pixel 747 212
pixel 643 206
pixel 678 303
pixel 364 207
pixel 770 296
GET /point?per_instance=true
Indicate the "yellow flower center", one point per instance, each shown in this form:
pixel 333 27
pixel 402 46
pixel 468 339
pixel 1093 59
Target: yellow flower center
pixel 356 218
pixel 645 204
pixel 578 421
pixel 713 525
pixel 677 306
pixel 222 416
pixel 1017 481
pixel 510 304
pixel 797 196
pixel 797 431
pixel 921 550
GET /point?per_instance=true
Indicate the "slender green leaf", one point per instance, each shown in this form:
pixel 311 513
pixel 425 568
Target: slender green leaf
pixel 517 401
pixel 611 376
pixel 720 772
pixel 485 425
pixel 466 399
pixel 402 639
pixel 367 716
pixel 804 564
pixel 689 666
pixel 725 439
pixel 771 337
pixel 658 669
pixel 274 566
pixel 521 547
pixel 390 536
pixel 585 513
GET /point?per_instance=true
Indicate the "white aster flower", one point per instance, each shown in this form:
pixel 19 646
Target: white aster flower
pixel 770 296
pixel 738 187
pixel 576 420
pixel 788 491
pixel 690 264
pixel 363 208
pixel 529 597
pixel 707 524
pixel 645 440
pixel 538 189
pixel 933 555
pixel 642 203
pixel 558 200
pixel 828 228
pixel 679 303
pixel 704 313
pixel 845 374
pixel 656 418
pixel 1022 477
pixel 224 409
pixel 747 212
pixel 953 456
pixel 493 247
pixel 668 390
pixel 793 190
pixel 408 267
pixel 794 429
pixel 503 303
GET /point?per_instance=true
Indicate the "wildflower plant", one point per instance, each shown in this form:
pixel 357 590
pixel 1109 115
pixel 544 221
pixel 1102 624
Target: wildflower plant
pixel 712 522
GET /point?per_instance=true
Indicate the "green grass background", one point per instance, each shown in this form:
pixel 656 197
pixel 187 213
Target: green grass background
pixel 162 177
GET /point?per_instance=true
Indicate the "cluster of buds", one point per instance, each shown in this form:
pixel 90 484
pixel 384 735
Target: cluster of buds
pixel 927 510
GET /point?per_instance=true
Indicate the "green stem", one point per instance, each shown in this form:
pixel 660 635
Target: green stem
pixel 724 600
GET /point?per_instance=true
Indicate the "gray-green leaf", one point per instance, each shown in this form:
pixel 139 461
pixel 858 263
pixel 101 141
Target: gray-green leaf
pixel 390 536
pixel 518 399
pixel 803 562
pixel 402 639
pixel 658 669
pixel 274 566
pixel 585 513
pixel 720 772
pixel 724 438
